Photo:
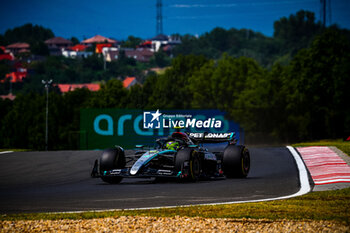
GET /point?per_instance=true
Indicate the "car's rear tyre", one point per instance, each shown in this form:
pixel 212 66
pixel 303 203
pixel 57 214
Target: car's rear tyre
pixel 112 159
pixel 236 161
pixel 188 163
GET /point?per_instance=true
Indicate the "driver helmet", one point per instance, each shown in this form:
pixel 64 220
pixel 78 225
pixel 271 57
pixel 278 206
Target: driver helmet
pixel 172 145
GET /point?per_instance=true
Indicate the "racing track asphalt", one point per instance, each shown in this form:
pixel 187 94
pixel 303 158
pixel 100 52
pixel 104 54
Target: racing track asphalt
pixel 58 181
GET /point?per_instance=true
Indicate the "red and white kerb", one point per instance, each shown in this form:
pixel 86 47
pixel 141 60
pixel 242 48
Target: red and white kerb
pixel 325 166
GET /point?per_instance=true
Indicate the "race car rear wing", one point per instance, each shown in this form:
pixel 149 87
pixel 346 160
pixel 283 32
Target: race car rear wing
pixel 213 137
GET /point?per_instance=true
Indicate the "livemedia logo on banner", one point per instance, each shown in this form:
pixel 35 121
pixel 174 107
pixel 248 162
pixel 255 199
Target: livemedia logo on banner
pixel 157 120
pixel 151 120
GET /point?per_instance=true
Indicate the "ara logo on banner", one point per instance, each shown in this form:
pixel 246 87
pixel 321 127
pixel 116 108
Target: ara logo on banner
pixel 152 120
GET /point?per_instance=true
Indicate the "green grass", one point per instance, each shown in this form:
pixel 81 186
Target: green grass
pixel 327 205
pixel 339 143
pixel 15 150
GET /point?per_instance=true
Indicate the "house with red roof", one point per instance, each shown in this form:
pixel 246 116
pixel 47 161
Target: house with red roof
pixel 78 47
pixel 4 55
pixel 146 44
pixel 57 44
pixel 19 47
pixel 98 39
pixel 64 88
pixel 9 96
pixel 99 47
pixel 129 82
pixel 16 76
pixel 76 54
pixel 139 54
pixel 77 51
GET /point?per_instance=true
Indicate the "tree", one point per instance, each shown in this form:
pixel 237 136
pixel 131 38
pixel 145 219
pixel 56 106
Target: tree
pixel 229 85
pixel 171 90
pixel 28 33
pixel 160 59
pixel 39 48
pixel 74 40
pixel 297 31
pixel 136 97
pixel 111 95
pixel 24 124
pixel 132 42
pixel 320 80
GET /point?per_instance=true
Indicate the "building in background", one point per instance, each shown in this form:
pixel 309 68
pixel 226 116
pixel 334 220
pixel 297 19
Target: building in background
pixel 5 54
pixel 9 97
pixel 76 54
pixel 139 54
pixel 162 40
pixel 129 82
pixel 64 88
pixel 57 44
pixel 98 39
pixel 18 48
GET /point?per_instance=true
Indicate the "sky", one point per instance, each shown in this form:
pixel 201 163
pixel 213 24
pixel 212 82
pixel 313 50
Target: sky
pixel 120 18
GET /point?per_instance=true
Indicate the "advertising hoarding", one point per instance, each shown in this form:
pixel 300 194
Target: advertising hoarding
pixel 104 128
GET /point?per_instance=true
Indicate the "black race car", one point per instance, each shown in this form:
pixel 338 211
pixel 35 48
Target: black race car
pixel 186 156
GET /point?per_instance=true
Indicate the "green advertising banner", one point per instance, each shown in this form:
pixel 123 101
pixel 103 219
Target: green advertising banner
pixel 104 128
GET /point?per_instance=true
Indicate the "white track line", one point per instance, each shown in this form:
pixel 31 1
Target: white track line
pixel 304 189
pixel 5 152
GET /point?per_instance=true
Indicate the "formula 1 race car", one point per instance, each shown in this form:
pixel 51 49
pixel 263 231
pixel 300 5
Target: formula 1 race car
pixel 181 155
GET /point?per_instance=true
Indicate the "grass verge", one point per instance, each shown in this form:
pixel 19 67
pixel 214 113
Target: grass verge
pixel 14 150
pixel 339 143
pixel 327 205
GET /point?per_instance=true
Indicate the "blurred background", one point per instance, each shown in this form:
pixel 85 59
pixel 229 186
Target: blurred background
pixel 278 68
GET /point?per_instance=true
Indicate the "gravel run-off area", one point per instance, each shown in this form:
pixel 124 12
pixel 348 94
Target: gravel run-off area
pixel 170 224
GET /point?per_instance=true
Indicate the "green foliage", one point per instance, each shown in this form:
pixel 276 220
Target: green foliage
pixel 297 31
pixel 299 96
pixel 327 205
pixel 160 59
pixel 111 95
pixel 344 146
pixel 131 42
pixel 318 97
pixel 39 48
pixel 27 33
pixel 171 90
pixel 5 68
pixel 290 35
pixel 5 107
pixel 74 40
pixel 23 120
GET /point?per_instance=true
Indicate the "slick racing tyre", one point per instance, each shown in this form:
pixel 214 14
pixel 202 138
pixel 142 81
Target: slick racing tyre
pixel 188 164
pixel 236 161
pixel 112 159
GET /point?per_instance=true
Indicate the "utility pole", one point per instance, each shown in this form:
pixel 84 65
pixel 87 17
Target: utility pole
pixel 47 84
pixel 324 12
pixel 159 18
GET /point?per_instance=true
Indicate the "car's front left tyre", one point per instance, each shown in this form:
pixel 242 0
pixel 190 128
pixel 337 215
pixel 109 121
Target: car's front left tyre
pixel 112 159
pixel 188 164
pixel 236 161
